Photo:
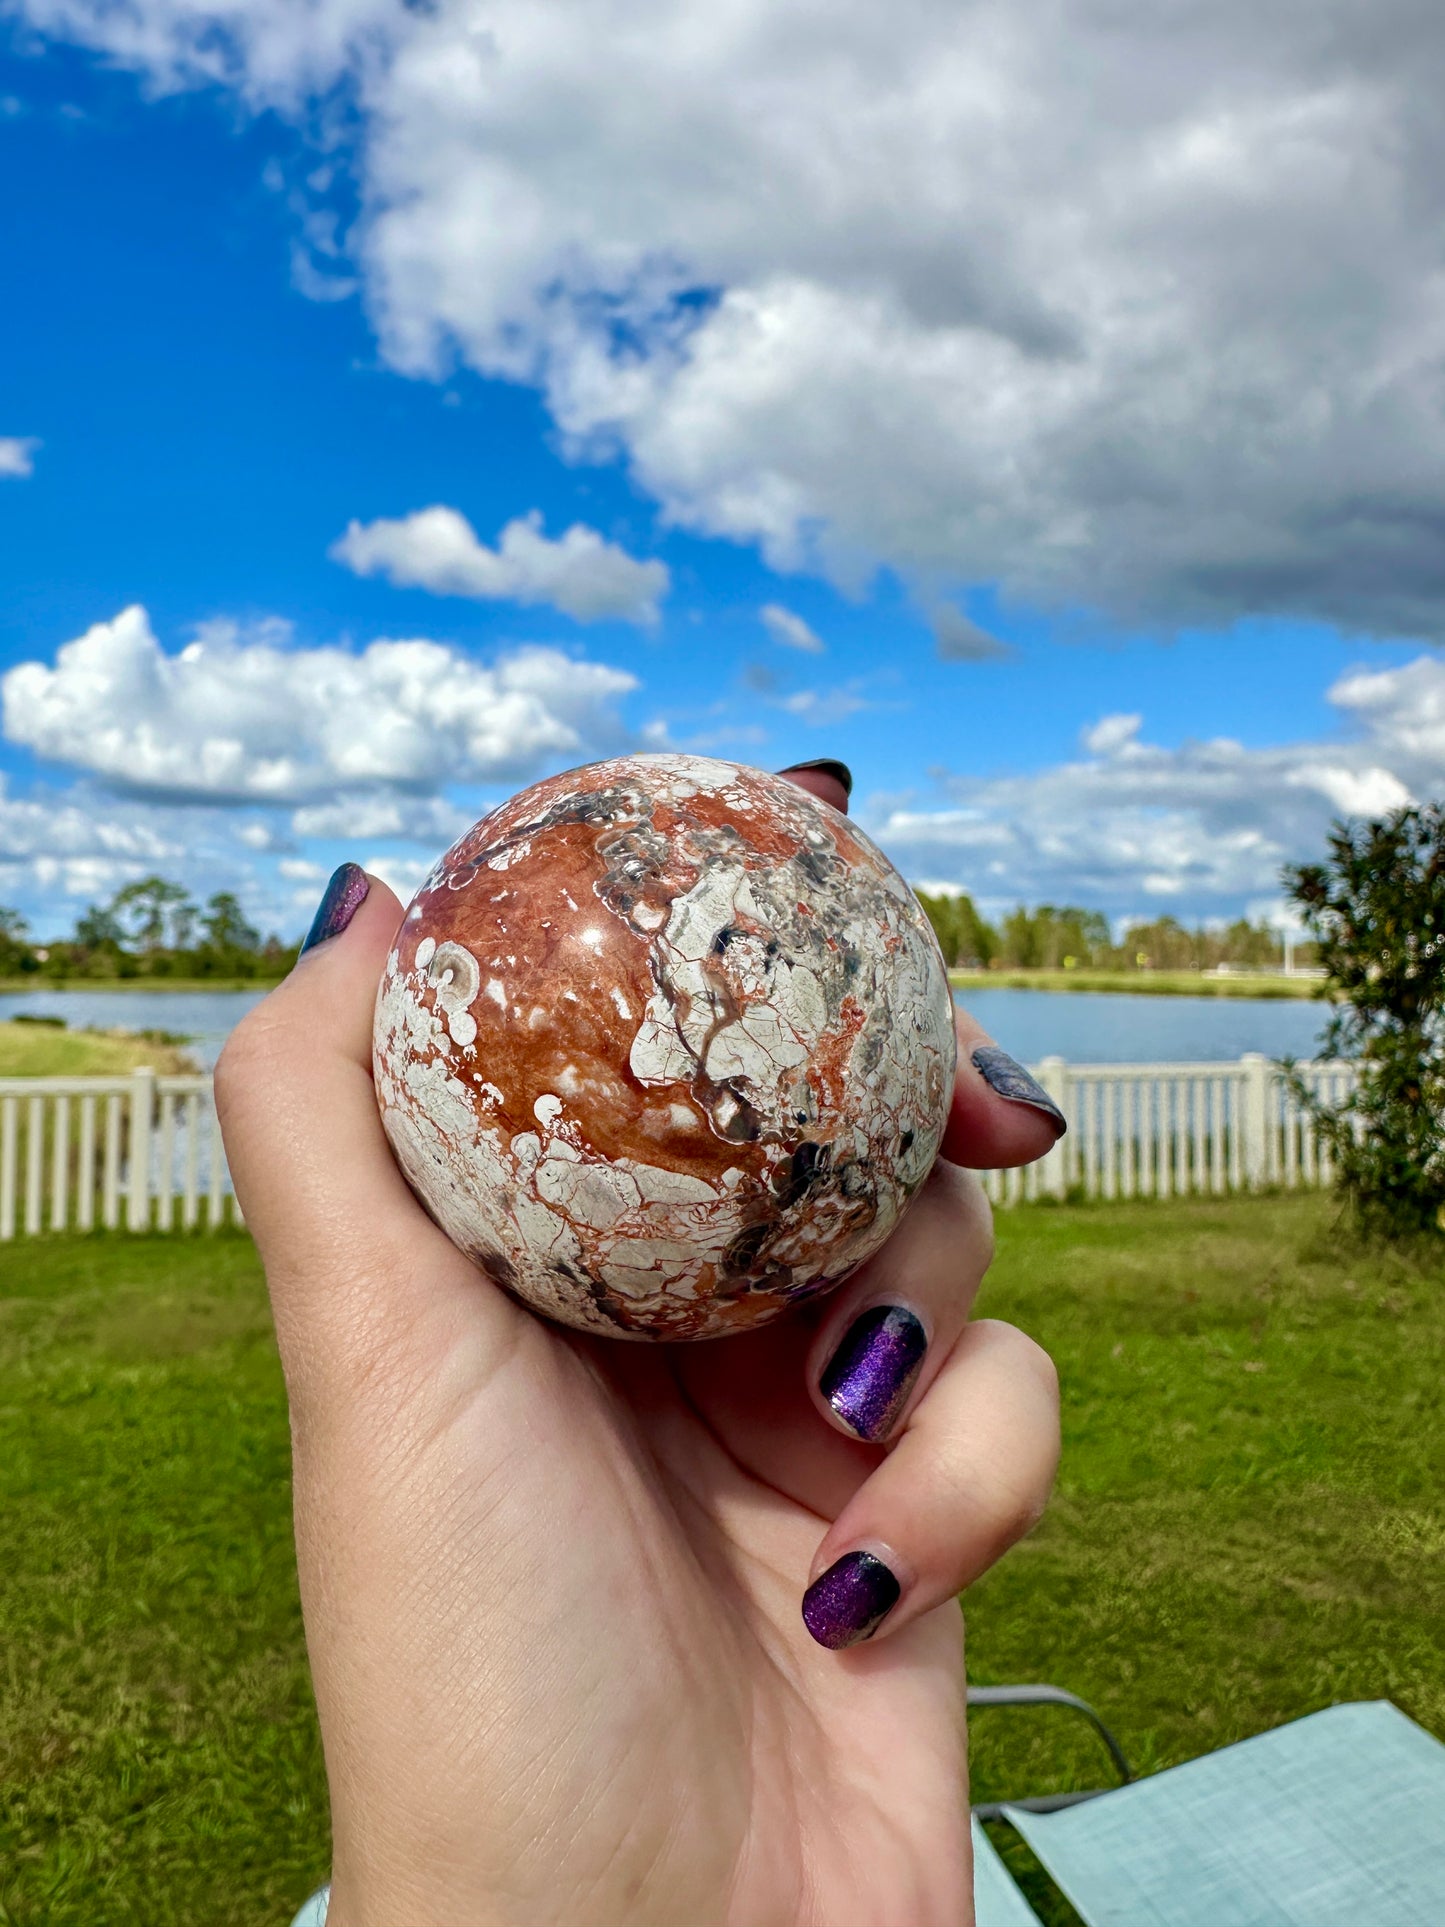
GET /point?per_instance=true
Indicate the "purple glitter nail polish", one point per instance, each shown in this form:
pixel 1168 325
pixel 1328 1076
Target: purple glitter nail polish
pixel 869 1377
pixel 850 1600
pixel 345 894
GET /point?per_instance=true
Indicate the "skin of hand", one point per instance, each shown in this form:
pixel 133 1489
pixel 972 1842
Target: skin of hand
pixel 552 1583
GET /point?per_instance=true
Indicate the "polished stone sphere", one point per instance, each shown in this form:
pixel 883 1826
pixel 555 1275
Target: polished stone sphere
pixel 665 1045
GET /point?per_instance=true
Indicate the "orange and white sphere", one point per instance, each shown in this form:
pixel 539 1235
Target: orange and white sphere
pixel 665 1044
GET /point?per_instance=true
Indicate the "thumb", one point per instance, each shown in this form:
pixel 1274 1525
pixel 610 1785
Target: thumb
pixel 355 1267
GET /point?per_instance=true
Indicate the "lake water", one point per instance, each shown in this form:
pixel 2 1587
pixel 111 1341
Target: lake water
pixel 1104 1028
pixel 1085 1027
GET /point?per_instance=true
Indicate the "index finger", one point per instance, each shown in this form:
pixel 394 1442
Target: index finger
pixel 1001 1114
pixel 355 1266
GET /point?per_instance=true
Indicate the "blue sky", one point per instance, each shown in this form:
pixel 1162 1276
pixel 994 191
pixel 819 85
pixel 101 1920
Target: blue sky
pixel 258 300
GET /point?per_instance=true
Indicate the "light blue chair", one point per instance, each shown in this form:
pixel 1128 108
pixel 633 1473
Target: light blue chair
pixel 1337 1820
pixel 313 1912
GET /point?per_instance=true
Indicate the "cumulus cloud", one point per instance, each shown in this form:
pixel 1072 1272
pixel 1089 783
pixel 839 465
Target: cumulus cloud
pixel 790 630
pixel 77 826
pixel 240 716
pixel 17 456
pixel 57 847
pixel 437 549
pixel 399 873
pixel 412 819
pixel 1130 308
pixel 1201 829
pixel 1111 734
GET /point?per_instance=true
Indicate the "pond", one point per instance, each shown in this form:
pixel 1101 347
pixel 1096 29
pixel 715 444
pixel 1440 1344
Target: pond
pixel 1097 1027
pixel 1085 1027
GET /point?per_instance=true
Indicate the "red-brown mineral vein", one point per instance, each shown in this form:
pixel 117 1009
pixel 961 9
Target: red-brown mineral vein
pixel 665 1045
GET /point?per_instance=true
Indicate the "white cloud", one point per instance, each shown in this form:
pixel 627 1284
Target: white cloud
pixel 790 630
pixel 398 873
pixel 57 846
pixel 240 717
pixel 262 837
pixel 1110 734
pixel 413 819
pixel 79 826
pixel 1207 825
pixel 17 456
pixel 437 549
pixel 1128 307
pixel 824 707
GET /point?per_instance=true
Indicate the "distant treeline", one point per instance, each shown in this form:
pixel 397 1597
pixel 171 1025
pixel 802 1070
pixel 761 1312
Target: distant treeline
pixel 151 928
pixel 154 929
pixel 1066 938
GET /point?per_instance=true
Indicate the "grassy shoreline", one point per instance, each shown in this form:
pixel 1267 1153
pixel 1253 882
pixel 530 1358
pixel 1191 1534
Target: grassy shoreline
pixel 32 985
pixel 1137 983
pixel 38 1050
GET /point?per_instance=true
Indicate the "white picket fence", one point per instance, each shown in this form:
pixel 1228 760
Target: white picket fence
pixel 1175 1130
pixel 141 1151
pixel 144 1153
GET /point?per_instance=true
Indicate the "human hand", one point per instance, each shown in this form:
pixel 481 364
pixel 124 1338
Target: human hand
pixel 552 1583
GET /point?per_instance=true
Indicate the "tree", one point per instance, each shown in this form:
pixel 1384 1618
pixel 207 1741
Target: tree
pixel 1376 909
pixel 15 952
pixel 225 927
pixel 1054 937
pixel 963 935
pixel 97 928
pixel 154 914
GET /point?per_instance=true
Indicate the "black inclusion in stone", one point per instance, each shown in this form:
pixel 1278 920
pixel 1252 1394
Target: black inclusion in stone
pixel 742 1252
pixel 808 1164
pixel 500 1268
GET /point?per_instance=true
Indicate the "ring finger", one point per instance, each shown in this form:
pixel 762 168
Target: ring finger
pixel 886 1333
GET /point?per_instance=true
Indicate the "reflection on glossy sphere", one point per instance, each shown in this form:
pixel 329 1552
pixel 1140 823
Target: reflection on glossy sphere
pixel 665 1044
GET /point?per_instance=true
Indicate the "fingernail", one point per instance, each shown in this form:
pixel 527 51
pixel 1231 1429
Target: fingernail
pixel 344 896
pixel 869 1377
pixel 829 766
pixel 1008 1077
pixel 850 1601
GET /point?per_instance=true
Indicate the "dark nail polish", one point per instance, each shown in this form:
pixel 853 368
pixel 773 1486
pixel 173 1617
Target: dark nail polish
pixel 1008 1077
pixel 344 896
pixel 869 1377
pixel 829 766
pixel 850 1601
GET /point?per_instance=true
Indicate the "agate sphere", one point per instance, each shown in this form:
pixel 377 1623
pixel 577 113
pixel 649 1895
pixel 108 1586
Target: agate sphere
pixel 665 1045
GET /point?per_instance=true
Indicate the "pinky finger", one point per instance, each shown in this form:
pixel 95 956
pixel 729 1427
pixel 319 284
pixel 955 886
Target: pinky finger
pixel 968 1477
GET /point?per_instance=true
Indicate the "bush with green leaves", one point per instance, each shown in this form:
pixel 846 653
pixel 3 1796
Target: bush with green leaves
pixel 1376 908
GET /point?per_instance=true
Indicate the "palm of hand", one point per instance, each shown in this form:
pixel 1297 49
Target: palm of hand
pixel 646 1723
pixel 552 1585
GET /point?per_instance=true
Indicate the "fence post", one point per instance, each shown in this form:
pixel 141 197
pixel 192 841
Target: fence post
pixel 1053 1074
pixel 1255 1119
pixel 142 1100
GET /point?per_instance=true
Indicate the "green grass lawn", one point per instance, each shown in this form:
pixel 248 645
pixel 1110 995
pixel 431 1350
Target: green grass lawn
pixel 1249 1525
